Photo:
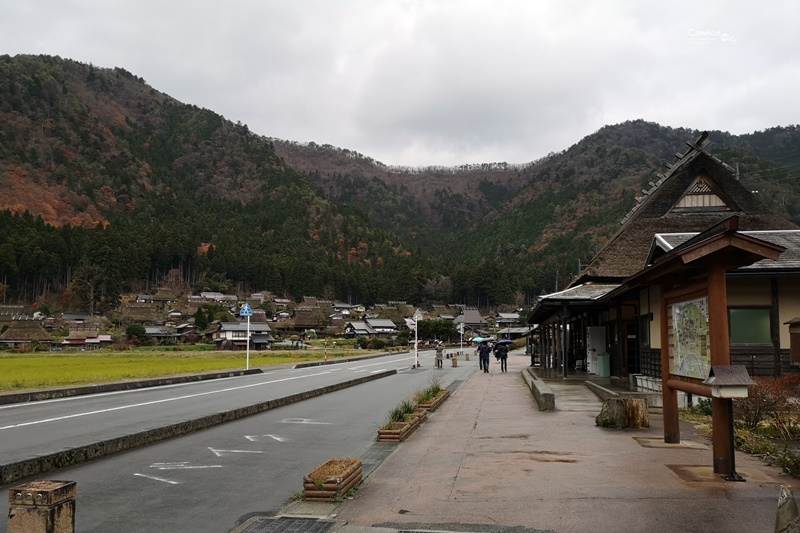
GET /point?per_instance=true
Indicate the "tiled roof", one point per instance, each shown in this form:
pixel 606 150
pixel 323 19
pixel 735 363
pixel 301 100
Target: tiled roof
pixel 381 323
pixel 789 239
pixel 586 291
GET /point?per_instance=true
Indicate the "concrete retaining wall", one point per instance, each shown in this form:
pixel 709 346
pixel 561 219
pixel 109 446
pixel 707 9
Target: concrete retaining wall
pixel 544 397
pixel 39 465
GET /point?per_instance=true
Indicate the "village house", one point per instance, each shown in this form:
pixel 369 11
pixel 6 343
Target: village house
pixel 371 327
pixel 23 334
pixel 233 336
pixel 473 321
pixel 85 340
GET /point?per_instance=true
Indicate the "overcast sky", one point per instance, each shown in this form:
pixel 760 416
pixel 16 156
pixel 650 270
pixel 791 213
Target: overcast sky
pixel 439 82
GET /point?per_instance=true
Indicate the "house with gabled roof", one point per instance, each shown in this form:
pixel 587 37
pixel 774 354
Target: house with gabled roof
pixel 18 334
pixel 506 319
pixel 471 317
pixel 371 327
pixel 86 339
pixel 358 329
pixel 599 315
pixel 233 336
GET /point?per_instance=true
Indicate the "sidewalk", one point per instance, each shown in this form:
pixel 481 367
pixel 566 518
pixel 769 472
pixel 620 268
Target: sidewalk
pixel 488 460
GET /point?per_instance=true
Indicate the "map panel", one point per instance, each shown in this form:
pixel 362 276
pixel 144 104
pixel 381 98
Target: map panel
pixel 690 350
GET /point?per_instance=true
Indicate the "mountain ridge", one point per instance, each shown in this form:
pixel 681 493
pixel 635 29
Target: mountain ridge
pixel 112 163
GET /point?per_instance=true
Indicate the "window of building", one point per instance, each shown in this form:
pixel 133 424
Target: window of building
pixel 749 325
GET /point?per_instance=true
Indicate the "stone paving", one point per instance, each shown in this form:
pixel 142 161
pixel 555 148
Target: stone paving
pixel 488 460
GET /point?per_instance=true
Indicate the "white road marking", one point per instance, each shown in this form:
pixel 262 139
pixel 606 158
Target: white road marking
pixel 114 393
pixel 181 466
pixel 154 402
pixel 256 438
pixel 220 453
pixel 159 479
pixel 301 421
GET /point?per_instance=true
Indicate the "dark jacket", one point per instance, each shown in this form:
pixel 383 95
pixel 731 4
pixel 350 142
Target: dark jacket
pixel 502 351
pixel 484 350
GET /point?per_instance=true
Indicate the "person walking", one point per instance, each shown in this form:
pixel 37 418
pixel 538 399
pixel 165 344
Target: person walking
pixel 483 356
pixel 439 356
pixel 502 355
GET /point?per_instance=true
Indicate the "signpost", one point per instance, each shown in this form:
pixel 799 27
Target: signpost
pixel 248 312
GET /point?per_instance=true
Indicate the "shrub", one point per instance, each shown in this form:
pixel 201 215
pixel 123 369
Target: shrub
pixel 704 406
pixel 376 344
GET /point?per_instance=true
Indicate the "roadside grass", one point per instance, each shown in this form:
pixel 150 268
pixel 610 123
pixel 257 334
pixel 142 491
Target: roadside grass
pixel 47 370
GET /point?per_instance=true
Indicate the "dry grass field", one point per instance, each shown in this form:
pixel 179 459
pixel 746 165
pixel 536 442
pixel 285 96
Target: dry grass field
pixel 47 370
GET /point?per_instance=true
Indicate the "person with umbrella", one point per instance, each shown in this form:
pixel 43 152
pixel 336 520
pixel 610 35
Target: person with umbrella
pixel 483 355
pixel 501 351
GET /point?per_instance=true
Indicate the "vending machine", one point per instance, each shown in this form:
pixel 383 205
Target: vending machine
pixel 595 345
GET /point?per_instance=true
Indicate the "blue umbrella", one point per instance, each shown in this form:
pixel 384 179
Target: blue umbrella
pixel 504 341
pixel 477 339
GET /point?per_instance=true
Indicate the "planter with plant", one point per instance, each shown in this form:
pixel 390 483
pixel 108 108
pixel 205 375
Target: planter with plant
pixel 411 412
pixel 332 480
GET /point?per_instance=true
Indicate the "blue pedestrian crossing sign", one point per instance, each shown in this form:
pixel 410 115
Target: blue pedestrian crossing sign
pixel 246 310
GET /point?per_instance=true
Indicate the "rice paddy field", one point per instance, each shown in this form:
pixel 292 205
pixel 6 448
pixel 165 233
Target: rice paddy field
pixel 46 370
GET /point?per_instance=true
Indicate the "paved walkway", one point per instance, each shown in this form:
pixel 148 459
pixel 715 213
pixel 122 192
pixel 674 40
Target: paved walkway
pixel 489 460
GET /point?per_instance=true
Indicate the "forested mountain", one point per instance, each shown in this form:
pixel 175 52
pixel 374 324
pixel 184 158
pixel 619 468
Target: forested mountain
pixel 107 185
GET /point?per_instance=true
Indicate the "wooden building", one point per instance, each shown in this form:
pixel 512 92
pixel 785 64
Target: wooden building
pixel 601 324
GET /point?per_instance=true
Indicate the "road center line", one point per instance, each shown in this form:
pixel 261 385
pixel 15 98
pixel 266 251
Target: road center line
pixel 154 402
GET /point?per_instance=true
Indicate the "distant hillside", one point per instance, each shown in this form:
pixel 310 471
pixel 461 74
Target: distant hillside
pixel 106 185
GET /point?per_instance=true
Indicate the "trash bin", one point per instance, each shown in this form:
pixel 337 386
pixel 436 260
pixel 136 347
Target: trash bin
pixel 603 368
pixel 455 360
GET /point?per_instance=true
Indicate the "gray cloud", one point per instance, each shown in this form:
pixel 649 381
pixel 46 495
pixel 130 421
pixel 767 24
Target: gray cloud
pixel 416 82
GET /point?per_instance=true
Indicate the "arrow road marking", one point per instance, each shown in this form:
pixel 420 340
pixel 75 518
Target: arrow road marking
pixel 220 453
pixel 255 438
pixel 301 421
pixel 159 479
pixel 181 466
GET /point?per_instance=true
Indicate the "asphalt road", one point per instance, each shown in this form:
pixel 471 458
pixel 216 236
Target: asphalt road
pixel 208 480
pixel 37 428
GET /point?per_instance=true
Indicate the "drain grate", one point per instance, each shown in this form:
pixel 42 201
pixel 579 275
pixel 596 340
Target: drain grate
pixel 289 525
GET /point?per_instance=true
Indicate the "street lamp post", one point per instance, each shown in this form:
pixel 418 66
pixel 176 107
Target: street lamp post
pixel 417 318
pixel 461 330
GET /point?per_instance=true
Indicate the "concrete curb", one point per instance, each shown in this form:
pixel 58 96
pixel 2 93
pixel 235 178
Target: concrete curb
pixel 39 395
pixel 12 472
pixel 544 397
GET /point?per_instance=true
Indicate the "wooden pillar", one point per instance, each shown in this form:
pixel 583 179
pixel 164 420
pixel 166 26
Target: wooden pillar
pixel 669 396
pixel 721 411
pixel 774 328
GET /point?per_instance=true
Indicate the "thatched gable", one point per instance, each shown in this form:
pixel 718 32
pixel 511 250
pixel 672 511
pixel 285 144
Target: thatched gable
pixel 25 331
pixel 698 191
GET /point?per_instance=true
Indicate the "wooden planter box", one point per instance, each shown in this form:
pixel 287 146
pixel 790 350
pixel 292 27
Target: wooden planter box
pixel 332 480
pixel 400 431
pixel 436 402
